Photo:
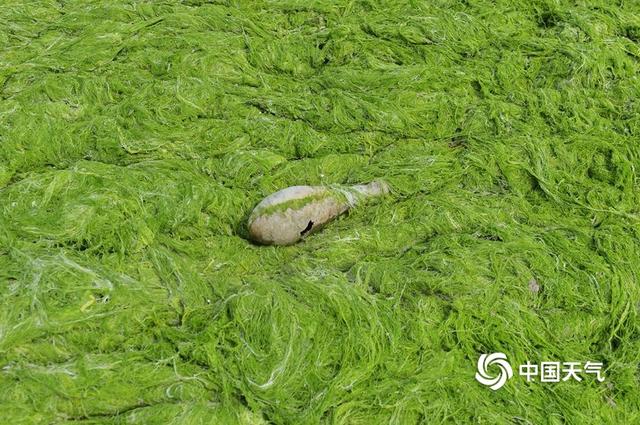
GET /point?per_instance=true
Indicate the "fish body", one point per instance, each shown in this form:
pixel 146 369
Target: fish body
pixel 289 215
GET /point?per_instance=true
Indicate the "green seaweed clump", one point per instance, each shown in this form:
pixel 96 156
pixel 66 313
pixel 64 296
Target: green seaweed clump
pixel 136 137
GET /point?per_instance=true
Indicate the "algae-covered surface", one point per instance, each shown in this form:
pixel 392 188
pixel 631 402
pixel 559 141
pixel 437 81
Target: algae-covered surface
pixel 136 137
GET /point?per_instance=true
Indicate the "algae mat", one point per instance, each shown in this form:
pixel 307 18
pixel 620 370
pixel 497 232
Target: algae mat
pixel 136 137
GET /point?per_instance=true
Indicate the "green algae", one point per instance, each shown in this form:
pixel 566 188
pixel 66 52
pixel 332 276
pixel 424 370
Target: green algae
pixel 135 138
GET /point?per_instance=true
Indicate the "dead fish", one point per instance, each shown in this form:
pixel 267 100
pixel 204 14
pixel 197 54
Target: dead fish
pixel 285 217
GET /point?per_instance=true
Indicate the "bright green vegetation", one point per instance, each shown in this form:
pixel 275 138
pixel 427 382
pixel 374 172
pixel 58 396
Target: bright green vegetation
pixel 136 137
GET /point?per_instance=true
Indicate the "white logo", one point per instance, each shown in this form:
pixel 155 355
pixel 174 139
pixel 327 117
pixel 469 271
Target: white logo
pixel 546 371
pixel 500 360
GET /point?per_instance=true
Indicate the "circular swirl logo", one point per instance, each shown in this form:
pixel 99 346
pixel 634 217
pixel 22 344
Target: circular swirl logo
pixel 498 359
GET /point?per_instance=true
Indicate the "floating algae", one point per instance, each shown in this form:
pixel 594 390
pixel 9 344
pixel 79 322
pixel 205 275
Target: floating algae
pixel 291 214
